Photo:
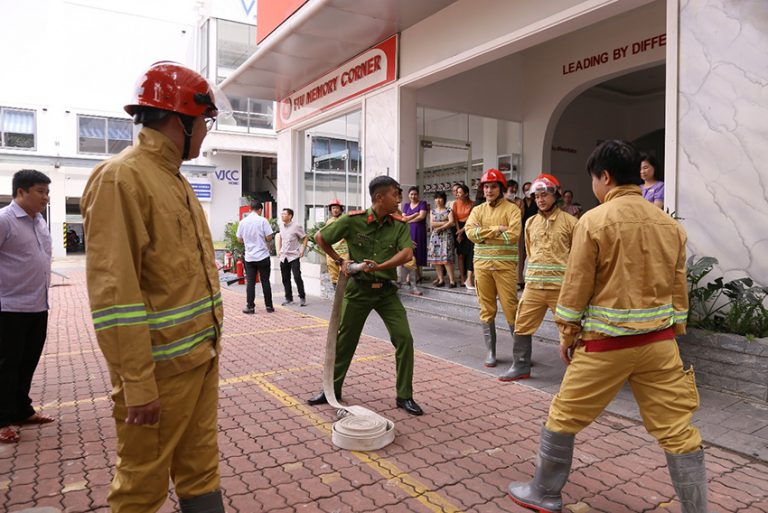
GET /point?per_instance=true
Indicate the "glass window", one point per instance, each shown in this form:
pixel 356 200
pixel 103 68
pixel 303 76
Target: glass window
pixel 17 128
pixel 332 167
pixel 204 49
pixel 104 135
pixel 248 115
pixel 235 42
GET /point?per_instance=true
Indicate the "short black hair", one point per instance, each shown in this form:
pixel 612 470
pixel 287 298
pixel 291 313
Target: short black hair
pixel 619 158
pixel 382 182
pixel 441 195
pixel 464 188
pixel 289 210
pixel 567 191
pixel 413 188
pixel 658 171
pixel 26 178
pixel 256 205
pixel 511 183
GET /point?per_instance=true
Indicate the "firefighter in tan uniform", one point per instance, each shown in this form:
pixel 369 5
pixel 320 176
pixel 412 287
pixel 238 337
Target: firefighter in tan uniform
pixel 155 300
pixel 623 300
pixel 494 227
pixel 335 209
pixel 547 243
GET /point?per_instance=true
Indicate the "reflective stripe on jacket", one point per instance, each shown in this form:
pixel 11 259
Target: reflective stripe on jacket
pixel 494 250
pixel 626 271
pixel 547 244
pixel 152 282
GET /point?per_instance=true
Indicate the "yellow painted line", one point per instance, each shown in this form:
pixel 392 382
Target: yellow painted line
pixel 279 330
pixel 228 381
pixel 71 353
pixel 89 400
pixel 388 470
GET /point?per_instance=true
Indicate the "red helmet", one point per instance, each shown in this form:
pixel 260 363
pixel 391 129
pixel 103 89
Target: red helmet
pixel 170 86
pixel 544 183
pixel 551 178
pixel 336 202
pixel 494 175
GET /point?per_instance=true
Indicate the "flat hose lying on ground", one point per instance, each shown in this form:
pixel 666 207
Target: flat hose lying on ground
pixel 358 428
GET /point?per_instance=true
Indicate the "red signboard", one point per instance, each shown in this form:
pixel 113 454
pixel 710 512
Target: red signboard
pixel 270 14
pixel 371 69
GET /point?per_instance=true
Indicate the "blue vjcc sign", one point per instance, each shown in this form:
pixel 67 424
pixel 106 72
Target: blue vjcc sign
pixel 231 176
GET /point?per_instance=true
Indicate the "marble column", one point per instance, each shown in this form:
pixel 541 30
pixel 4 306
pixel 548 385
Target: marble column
pixel 722 181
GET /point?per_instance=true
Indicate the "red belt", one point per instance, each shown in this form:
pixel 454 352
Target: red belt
pixel 613 343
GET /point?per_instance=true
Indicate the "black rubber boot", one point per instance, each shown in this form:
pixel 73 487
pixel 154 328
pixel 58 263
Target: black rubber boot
pixel 689 478
pixel 552 469
pixel 208 503
pixel 489 336
pixel 521 359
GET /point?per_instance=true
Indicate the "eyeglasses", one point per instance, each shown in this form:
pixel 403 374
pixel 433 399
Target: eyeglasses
pixel 209 122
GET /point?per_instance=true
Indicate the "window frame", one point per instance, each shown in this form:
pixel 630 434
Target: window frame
pixel 106 140
pixel 3 145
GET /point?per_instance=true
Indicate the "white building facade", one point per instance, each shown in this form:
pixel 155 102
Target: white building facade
pixel 69 67
pixel 526 87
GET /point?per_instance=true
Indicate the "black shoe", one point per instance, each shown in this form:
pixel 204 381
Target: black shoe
pixel 270 309
pixel 320 399
pixel 303 302
pixel 410 406
pixel 287 302
pixel 249 311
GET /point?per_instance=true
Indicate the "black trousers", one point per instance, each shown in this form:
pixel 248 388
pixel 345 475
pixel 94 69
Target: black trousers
pixel 264 269
pixel 286 268
pixel 22 336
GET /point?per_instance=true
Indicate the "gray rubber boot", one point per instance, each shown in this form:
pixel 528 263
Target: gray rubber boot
pixel 552 468
pixel 689 478
pixel 208 503
pixel 489 336
pixel 521 358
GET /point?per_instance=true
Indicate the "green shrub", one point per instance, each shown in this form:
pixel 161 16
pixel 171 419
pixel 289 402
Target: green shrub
pixel 737 306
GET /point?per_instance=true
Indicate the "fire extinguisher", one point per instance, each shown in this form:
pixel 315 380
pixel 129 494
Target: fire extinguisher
pixel 228 260
pixel 240 271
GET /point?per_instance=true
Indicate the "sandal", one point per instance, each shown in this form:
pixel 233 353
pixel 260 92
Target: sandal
pixel 440 284
pixel 8 435
pixel 452 286
pixel 38 419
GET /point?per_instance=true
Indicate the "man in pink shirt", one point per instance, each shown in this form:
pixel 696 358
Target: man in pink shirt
pixel 291 245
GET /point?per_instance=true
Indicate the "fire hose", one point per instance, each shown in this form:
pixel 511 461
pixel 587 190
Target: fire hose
pixel 358 428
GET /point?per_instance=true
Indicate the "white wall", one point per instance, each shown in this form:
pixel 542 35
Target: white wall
pixel 226 185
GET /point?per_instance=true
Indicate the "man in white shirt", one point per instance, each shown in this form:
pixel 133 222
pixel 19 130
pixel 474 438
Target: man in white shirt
pixel 254 231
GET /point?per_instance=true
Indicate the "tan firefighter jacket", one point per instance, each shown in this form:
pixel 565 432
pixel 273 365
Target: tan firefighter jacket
pixel 152 281
pixel 495 250
pixel 626 271
pixel 547 244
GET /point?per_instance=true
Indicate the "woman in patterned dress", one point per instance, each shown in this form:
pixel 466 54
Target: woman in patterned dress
pixel 440 248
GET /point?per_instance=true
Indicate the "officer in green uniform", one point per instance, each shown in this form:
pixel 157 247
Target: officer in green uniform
pixel 384 242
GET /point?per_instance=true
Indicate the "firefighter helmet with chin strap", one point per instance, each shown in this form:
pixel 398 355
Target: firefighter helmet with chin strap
pixel 170 87
pixel 337 203
pixel 494 175
pixel 544 183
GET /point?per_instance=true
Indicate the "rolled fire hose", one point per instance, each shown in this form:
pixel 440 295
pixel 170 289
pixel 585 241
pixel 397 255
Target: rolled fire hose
pixel 358 428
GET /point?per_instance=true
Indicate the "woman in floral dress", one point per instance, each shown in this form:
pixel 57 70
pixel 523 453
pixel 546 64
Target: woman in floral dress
pixel 440 248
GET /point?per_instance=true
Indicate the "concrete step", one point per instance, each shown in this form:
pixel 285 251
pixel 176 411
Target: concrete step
pixel 461 304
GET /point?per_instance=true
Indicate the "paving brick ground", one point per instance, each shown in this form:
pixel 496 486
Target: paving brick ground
pixel 476 436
